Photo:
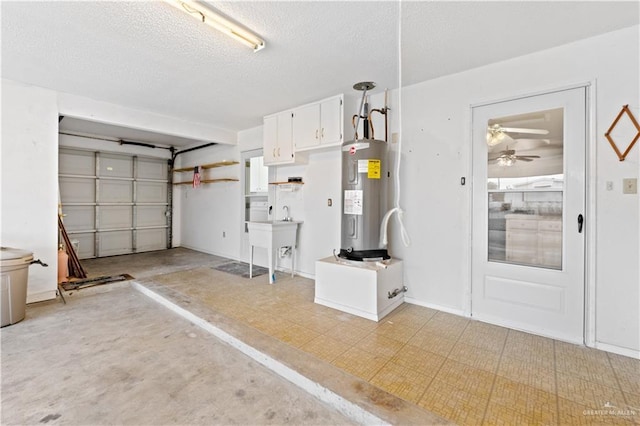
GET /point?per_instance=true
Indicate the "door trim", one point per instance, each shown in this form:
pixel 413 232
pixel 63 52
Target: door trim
pixel 590 183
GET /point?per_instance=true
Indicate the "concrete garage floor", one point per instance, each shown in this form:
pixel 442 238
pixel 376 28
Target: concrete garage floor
pixel 111 355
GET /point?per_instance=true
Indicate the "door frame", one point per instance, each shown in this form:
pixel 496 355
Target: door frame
pixel 590 182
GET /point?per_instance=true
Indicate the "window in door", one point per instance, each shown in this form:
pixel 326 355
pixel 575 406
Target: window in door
pixel 525 188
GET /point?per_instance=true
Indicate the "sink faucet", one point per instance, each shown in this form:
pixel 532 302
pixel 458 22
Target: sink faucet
pixel 286 217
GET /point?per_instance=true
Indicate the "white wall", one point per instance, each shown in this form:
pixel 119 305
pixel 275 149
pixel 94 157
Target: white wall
pixel 319 235
pixel 91 144
pixel 30 165
pixel 210 214
pixel 29 161
pixel 436 117
pixel 250 139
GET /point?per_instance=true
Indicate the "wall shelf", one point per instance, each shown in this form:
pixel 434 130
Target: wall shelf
pixel 208 181
pixel 207 166
pixel 286 183
pixel 204 167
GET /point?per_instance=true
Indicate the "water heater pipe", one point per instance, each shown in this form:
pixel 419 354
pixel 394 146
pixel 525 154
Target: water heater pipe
pixel 384 224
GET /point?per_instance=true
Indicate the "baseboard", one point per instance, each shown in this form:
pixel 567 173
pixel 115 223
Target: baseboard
pixel 447 309
pixel 41 297
pixel 632 353
pixel 201 250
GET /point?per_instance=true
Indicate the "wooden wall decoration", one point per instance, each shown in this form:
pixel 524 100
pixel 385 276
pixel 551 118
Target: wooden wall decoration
pixel 625 110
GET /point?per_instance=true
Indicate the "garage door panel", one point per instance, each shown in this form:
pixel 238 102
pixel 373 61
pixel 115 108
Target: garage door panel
pixel 115 242
pixel 76 163
pixel 115 191
pixel 115 217
pixel 151 192
pixel 151 239
pixel 151 216
pixel 77 190
pixel 115 166
pixel 79 218
pixel 152 169
pixel 86 244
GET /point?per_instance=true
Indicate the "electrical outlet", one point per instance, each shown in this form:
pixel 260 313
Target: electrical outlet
pixel 609 185
pixel 329 202
pixel 224 234
pixel 630 186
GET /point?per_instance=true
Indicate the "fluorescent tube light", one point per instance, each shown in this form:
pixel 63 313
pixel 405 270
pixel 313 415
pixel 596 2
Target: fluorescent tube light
pixel 219 22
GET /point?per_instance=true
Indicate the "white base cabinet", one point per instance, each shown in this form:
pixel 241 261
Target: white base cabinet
pixel 534 240
pixel 359 289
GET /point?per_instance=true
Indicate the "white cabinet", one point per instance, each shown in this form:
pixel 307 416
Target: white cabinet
pixel 306 126
pixel 534 240
pixel 278 142
pixel 319 124
pixel 258 175
pixel 331 121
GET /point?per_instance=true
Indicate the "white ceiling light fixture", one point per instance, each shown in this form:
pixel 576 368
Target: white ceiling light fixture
pixel 496 134
pixel 212 18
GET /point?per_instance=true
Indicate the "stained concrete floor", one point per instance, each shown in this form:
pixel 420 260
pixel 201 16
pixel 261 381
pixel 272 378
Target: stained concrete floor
pixel 113 356
pixel 147 351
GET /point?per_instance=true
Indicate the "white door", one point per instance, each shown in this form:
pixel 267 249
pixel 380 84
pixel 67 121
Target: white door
pixel 528 214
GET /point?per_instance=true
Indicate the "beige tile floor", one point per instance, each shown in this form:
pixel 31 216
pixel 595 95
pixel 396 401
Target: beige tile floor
pixel 463 370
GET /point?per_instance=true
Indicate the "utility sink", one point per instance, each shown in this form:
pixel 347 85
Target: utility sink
pixel 273 234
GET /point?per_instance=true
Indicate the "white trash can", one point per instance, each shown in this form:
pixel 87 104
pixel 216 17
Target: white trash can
pixel 14 274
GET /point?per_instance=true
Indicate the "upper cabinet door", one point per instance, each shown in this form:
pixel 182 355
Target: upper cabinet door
pixel 306 126
pixel 331 121
pixel 285 140
pixel 270 139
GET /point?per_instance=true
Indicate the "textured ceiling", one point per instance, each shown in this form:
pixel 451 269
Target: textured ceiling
pixel 150 56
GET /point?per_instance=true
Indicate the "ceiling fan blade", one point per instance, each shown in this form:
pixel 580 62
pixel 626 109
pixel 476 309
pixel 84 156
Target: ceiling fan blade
pixel 530 131
pixel 524 159
pixel 496 136
pixel 528 156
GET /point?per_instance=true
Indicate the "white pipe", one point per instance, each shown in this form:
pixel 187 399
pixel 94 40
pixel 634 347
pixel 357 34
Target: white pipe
pixel 396 209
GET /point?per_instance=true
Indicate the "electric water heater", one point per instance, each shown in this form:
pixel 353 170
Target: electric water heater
pixel 364 191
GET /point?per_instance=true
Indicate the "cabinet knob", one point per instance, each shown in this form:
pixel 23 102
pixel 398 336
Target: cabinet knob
pixel 322 133
pixel 316 133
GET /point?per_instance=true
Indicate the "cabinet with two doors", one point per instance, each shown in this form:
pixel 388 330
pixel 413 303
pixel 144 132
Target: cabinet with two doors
pixel 312 126
pixel 319 124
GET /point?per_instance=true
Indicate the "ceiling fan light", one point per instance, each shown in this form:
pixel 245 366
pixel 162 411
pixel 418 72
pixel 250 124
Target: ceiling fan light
pixel 494 138
pixel 506 161
pixel 495 135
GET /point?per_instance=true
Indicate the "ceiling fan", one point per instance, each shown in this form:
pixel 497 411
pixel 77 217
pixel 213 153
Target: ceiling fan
pixel 496 134
pixel 508 158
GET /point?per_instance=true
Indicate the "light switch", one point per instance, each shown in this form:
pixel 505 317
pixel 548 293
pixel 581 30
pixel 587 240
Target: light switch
pixel 630 186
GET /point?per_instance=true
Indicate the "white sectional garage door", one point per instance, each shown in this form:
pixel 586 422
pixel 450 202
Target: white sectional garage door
pixel 114 203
